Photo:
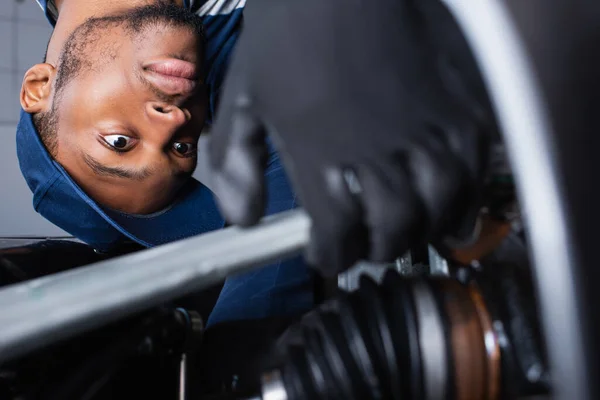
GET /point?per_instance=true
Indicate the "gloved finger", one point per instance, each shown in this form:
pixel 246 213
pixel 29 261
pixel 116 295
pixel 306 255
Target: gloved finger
pixel 338 238
pixel 456 64
pixel 391 207
pixel 238 159
pixel 471 145
pixel 234 108
pixel 437 176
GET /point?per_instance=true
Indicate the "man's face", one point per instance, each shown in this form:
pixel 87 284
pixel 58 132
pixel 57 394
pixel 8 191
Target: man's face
pixel 130 106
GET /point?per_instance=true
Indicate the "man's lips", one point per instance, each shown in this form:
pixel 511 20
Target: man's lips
pixel 172 76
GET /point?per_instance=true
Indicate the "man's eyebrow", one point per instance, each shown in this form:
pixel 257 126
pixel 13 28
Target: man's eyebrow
pixel 117 172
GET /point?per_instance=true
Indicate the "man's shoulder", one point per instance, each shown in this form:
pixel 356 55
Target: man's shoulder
pixel 216 7
pixel 49 9
pixel 201 7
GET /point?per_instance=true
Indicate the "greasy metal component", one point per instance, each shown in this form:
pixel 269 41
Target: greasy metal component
pixel 197 325
pixel 465 341
pixel 511 53
pixel 272 386
pixel 509 297
pixel 432 343
pixel 125 358
pixel 62 305
pixel 492 345
pixel 404 264
pixel 348 280
pixel 472 366
pixel 438 266
pixel 194 326
pixel 183 377
pixel 491 235
pixel 429 338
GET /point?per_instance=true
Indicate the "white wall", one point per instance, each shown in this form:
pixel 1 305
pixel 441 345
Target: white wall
pixel 17 216
pixel 24 33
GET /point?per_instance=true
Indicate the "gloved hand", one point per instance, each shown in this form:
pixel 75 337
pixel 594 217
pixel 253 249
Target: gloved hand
pixel 379 115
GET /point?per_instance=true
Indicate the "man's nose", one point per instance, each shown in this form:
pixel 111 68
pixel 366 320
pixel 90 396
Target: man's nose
pixel 167 116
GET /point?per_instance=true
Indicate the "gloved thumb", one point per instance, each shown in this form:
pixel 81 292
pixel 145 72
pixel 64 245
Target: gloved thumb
pixel 238 157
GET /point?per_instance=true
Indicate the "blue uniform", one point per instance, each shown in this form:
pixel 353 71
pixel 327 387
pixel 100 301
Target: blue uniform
pixel 282 288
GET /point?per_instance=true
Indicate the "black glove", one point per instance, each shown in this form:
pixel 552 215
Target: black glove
pixel 379 115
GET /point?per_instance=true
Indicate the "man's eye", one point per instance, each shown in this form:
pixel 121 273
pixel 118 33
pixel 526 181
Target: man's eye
pixel 184 149
pixel 119 142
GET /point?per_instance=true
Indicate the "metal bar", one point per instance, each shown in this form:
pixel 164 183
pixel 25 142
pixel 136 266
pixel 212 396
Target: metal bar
pixel 183 377
pixel 45 310
pixel 438 265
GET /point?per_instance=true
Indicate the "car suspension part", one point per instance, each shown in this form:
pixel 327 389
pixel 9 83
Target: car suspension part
pixel 144 356
pixel 474 336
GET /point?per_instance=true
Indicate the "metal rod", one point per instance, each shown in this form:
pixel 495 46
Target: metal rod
pixel 183 377
pixel 43 311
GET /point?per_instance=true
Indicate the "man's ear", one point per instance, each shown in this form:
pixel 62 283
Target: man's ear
pixel 37 87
